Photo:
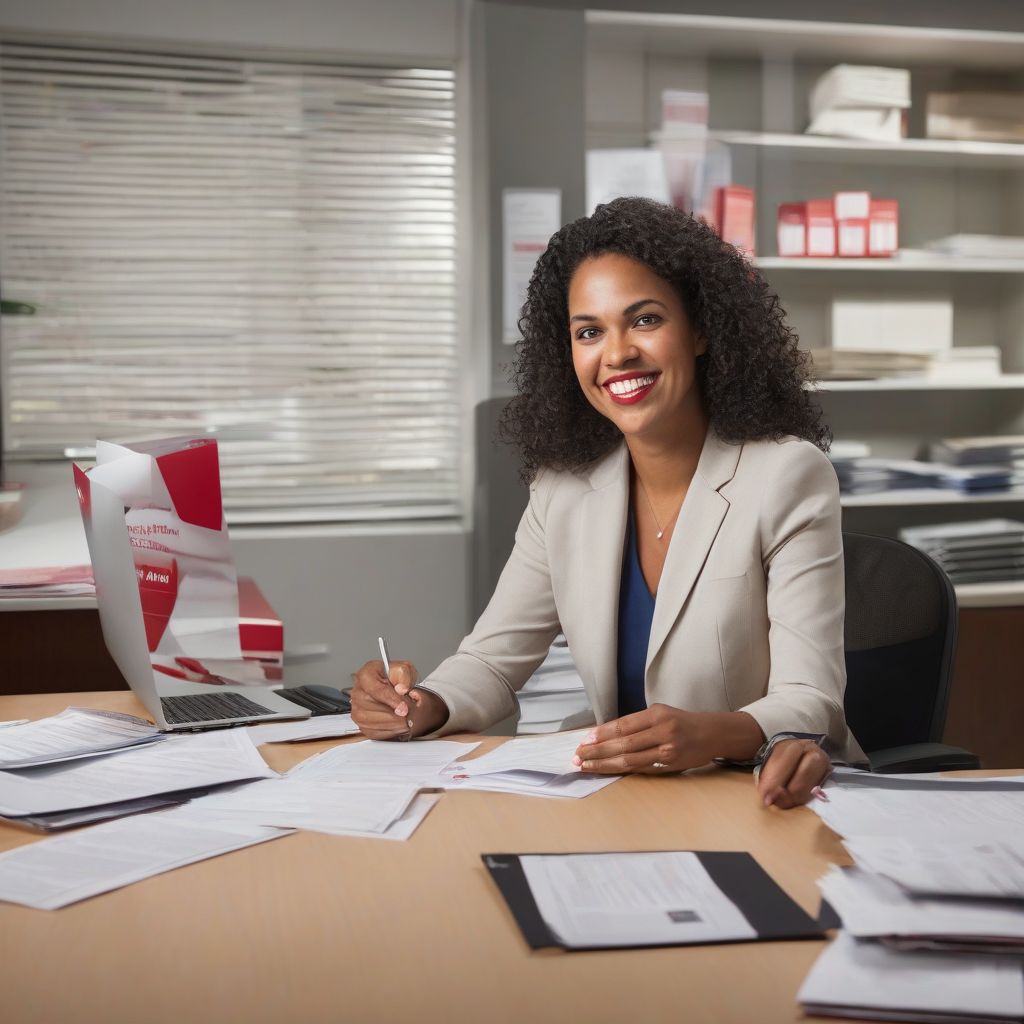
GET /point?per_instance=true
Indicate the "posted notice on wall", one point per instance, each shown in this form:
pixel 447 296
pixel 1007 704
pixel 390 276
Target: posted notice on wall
pixel 530 216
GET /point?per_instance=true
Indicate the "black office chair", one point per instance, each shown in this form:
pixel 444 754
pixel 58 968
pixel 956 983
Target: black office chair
pixel 901 628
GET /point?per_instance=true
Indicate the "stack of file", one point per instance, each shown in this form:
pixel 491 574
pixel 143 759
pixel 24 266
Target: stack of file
pixel 933 911
pixel 1005 450
pixel 860 102
pixel 986 551
pixel 553 698
pixel 48 581
pixel 849 364
pixel 995 247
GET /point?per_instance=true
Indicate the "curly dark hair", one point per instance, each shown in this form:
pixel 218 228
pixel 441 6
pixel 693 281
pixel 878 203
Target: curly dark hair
pixel 751 378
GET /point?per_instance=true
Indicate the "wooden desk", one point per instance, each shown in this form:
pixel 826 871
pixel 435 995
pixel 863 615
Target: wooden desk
pixel 314 928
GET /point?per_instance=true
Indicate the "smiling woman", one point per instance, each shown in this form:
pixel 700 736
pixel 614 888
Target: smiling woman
pixel 683 529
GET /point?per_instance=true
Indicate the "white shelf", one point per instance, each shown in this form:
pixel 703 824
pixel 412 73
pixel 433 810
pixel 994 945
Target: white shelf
pixel 1004 382
pixel 990 595
pixel 932 152
pixel 911 496
pixel 812 41
pixel 902 261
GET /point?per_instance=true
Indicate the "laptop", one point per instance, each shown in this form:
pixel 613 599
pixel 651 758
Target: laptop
pixel 176 704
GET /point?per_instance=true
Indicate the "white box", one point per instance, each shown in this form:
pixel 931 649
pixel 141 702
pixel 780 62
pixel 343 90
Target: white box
pixel 859 85
pixel 875 324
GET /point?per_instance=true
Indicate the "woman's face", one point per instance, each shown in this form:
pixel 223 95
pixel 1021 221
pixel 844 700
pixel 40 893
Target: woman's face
pixel 633 348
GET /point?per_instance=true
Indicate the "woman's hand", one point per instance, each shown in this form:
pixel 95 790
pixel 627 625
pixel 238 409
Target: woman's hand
pixel 794 769
pixel 664 739
pixel 391 708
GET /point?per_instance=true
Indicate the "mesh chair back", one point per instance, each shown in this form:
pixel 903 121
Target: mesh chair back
pixel 901 625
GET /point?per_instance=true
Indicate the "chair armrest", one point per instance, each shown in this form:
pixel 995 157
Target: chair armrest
pixel 922 757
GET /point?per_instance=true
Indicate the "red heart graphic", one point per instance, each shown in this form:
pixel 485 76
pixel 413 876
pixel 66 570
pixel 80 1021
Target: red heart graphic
pixel 158 589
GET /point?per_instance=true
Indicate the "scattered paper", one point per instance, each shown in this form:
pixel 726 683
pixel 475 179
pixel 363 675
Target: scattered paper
pixel 65 869
pixel 74 733
pixel 383 761
pixel 321 727
pixel 551 754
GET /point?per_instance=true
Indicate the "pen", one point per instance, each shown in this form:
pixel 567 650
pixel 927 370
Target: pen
pixel 382 644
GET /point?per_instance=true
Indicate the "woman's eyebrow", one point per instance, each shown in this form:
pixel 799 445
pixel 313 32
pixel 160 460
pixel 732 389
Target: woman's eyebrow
pixel 628 311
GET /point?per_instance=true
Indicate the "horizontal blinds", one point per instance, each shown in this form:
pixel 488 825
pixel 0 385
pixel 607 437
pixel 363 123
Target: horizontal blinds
pixel 259 250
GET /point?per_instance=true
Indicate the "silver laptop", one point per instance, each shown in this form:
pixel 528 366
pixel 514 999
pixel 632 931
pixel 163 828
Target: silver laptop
pixel 174 704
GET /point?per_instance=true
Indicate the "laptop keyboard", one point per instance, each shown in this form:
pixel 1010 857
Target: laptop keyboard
pixel 210 707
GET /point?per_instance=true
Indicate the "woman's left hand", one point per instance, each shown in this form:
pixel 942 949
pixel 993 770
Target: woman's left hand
pixel 794 769
pixel 654 741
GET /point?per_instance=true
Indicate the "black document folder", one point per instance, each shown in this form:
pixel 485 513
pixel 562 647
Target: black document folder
pixel 768 910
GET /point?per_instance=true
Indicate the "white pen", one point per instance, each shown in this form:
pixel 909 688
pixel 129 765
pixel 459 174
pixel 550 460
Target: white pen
pixel 382 643
pixel 16 721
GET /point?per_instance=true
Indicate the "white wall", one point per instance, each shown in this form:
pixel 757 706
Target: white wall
pixel 340 586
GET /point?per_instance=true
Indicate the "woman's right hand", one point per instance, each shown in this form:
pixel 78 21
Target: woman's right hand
pixel 391 709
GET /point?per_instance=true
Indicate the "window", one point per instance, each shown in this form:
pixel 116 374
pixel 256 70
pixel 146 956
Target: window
pixel 257 249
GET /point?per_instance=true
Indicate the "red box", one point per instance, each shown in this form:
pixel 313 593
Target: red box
pixel 791 229
pixel 852 236
pixel 821 228
pixel 883 227
pixel 735 214
pixel 851 205
pixel 260 629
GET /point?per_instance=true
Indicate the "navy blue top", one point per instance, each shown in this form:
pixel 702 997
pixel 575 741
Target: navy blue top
pixel 636 609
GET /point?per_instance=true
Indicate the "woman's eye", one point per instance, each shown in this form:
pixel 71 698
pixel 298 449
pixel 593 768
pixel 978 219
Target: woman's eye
pixel 587 334
pixel 647 319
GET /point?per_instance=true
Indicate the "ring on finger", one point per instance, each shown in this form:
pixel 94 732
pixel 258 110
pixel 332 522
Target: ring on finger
pixel 659 764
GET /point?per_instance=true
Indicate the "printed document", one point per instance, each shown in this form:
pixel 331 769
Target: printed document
pixel 179 762
pixel 64 869
pixel 872 906
pixel 992 869
pixel 382 761
pixel 551 755
pixel 573 787
pixel 867 979
pixel 74 733
pixel 631 899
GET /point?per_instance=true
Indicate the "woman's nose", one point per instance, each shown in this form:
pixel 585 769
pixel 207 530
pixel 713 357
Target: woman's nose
pixel 619 348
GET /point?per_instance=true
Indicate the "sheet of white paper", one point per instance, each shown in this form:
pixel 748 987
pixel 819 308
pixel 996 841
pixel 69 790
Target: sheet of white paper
pixel 380 761
pixel 400 829
pixel 871 906
pixel 74 733
pixel 311 804
pixel 550 754
pixel 528 783
pixel 924 780
pixel 627 899
pixel 626 172
pixel 319 728
pixel 852 976
pixel 55 872
pixel 956 867
pixel 855 811
pixel 180 762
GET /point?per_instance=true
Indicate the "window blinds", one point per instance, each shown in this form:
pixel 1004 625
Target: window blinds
pixel 257 249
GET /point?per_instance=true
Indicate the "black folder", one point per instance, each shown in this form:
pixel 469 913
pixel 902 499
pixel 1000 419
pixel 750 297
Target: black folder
pixel 768 910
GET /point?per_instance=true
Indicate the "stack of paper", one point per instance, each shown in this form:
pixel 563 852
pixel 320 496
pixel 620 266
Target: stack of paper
pixel 988 550
pixel 74 733
pixel 48 581
pixel 320 727
pixel 995 247
pixel 980 116
pixel 932 906
pixel 102 785
pixel 553 698
pixel 843 364
pixel 860 102
pixel 540 766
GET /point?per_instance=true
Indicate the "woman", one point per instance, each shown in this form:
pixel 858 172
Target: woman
pixel 683 528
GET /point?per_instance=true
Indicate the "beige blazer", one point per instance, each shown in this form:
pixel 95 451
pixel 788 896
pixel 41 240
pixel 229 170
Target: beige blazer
pixel 749 609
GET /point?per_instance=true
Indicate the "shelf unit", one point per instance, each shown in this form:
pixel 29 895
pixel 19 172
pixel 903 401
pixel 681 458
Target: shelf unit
pixel 758 74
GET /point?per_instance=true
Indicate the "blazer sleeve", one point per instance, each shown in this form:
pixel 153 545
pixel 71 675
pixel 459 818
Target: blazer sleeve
pixel 802 549
pixel 511 638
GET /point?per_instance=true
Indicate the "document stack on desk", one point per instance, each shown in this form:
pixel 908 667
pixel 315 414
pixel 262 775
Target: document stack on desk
pixel 933 913
pixel 47 581
pixel 537 766
pixel 986 551
pixel 553 698
pixel 320 727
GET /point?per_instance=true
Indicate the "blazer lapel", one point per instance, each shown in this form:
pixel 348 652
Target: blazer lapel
pixel 601 538
pixel 696 529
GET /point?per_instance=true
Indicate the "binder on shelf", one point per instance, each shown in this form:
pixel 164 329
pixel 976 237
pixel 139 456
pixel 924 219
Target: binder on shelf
pixel 852 236
pixel 821 228
pixel 791 229
pixel 883 227
pixel 735 216
pixel 752 907
pixel 851 205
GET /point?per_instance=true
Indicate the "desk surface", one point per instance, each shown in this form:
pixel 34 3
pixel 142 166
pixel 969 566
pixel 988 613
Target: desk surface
pixel 316 928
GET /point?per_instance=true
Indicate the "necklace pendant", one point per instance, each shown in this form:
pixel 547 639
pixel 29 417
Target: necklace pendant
pixel 661 533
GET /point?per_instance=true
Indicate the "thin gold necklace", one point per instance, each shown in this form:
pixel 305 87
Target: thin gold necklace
pixel 661 530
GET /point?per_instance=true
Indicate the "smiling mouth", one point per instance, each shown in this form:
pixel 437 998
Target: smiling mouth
pixel 631 390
